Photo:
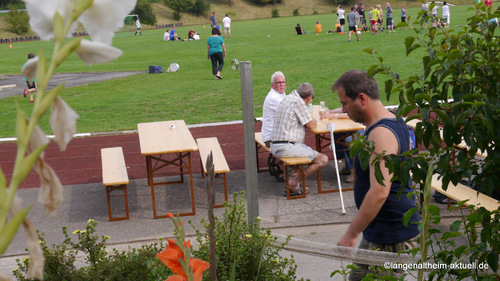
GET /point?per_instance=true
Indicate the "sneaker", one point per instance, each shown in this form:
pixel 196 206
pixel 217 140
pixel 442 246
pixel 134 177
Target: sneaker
pixel 359 39
pixel 349 40
pixel 32 101
pixel 25 92
pixel 344 171
pixel 349 179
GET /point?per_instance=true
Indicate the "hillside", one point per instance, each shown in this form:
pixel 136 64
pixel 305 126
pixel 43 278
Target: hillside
pixel 243 10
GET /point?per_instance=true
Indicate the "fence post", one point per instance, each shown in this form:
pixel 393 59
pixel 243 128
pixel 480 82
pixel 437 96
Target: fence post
pixel 252 184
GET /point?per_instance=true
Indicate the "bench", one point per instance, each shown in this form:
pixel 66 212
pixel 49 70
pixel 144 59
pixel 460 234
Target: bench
pixel 288 162
pixel 205 146
pixel 462 192
pixel 114 177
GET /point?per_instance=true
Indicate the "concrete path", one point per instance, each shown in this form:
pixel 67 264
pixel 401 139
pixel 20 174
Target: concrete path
pixel 71 80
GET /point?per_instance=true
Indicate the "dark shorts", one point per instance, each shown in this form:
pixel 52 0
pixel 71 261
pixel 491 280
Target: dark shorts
pixel 388 21
pixel 403 19
pixel 363 20
pixel 342 21
pixel 352 28
pixel 32 86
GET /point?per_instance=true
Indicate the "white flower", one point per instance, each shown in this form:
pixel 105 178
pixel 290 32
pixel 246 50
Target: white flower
pixel 101 20
pixel 42 16
pixel 63 122
pixel 105 17
pixel 29 68
pixel 50 193
pixel 95 52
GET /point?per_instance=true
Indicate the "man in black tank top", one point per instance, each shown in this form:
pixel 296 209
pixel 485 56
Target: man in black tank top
pixel 380 210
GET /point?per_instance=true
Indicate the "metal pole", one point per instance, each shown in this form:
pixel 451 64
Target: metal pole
pixel 249 137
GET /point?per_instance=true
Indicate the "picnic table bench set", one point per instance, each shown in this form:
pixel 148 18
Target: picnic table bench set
pixel 170 143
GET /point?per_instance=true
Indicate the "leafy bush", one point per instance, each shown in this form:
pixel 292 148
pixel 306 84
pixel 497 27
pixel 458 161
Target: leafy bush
pixel 296 12
pixel 251 255
pixel 179 6
pixel 134 264
pixel 275 13
pixel 145 12
pixel 18 21
pixel 199 8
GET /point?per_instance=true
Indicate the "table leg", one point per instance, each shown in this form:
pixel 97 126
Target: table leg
pixel 191 185
pixel 151 183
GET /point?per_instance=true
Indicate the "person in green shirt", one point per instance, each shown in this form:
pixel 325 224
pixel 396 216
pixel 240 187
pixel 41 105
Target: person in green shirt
pixel 216 52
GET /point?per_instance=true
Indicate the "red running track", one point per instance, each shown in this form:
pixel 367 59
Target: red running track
pixel 81 162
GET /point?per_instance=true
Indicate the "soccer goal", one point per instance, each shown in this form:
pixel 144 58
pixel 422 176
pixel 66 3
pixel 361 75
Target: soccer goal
pixel 129 24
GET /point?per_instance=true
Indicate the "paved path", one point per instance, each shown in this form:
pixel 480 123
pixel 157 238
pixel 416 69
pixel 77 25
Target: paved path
pixel 71 79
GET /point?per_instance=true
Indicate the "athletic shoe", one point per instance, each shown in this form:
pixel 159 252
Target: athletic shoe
pixel 359 39
pixel 32 101
pixel 349 41
pixel 25 92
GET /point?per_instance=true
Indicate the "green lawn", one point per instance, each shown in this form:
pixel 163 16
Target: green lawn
pixel 191 93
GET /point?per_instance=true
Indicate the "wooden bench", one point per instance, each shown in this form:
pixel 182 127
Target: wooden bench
pixel 288 162
pixel 221 168
pixel 462 192
pixel 114 177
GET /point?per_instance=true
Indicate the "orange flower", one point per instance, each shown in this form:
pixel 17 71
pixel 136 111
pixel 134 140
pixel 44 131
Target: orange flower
pixel 169 215
pixel 170 257
pixel 187 244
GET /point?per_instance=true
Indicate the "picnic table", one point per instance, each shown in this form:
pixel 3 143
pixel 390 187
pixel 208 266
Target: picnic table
pixel 322 136
pixel 165 144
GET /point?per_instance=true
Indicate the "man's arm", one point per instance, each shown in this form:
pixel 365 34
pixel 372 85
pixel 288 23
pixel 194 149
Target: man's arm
pixel 311 124
pixel 375 198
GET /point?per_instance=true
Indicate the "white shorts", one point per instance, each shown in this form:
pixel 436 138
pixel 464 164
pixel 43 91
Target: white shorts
pixel 228 29
pixel 293 150
pixel 446 18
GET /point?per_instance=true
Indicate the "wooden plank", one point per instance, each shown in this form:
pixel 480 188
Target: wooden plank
pixel 206 145
pixel 461 192
pixel 289 161
pixel 341 124
pixel 114 171
pixel 165 137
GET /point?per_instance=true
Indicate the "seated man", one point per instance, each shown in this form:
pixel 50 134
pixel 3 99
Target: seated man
pixel 173 35
pixel 288 135
pixel 299 30
pixel 191 34
pixel 166 35
pixel 273 99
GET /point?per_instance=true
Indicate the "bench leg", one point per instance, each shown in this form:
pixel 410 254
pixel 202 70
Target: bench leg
pixel 224 178
pixel 111 188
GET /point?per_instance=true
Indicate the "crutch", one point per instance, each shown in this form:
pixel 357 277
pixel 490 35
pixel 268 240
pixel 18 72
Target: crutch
pixel 331 127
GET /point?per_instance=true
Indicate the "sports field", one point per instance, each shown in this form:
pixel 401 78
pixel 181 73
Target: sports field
pixel 191 93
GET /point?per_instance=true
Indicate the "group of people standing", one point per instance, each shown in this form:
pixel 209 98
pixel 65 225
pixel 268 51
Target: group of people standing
pixel 380 209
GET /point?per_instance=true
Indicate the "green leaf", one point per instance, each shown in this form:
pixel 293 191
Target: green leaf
pixel 388 88
pixel 493 260
pixel 364 159
pixel 21 126
pixel 378 174
pixel 408 214
pixel 8 232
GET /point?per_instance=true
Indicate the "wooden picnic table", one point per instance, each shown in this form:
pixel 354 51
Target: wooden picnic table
pixel 164 144
pixel 322 136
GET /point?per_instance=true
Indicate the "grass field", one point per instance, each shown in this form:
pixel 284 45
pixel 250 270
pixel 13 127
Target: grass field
pixel 191 93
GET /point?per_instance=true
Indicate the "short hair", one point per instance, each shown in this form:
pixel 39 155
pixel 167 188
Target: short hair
pixel 226 15
pixel 352 8
pixel 317 22
pixel 276 74
pixel 444 3
pixel 298 24
pixel 305 90
pixel 213 13
pixel 355 82
pixel 215 30
pixel 31 55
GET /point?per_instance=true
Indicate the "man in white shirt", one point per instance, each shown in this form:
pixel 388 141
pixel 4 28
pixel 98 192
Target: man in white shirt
pixel 138 25
pixel 446 14
pixel 273 99
pixel 341 17
pixel 227 26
